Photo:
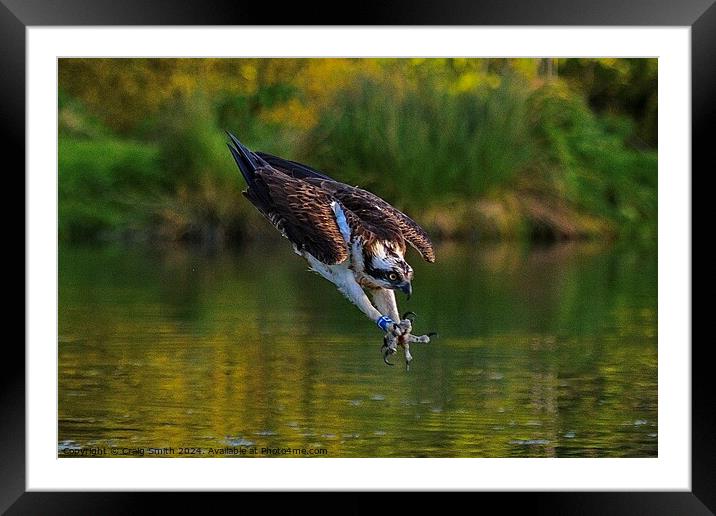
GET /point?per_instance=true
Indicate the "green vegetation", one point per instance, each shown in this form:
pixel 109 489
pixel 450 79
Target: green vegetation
pixel 103 186
pixel 471 148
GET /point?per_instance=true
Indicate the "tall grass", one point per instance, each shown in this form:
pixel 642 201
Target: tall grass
pixel 536 161
pixel 423 144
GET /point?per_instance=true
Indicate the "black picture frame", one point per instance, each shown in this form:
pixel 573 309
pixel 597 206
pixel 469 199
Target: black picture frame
pixel 699 15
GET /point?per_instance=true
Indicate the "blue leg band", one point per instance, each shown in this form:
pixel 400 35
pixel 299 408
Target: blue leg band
pixel 383 321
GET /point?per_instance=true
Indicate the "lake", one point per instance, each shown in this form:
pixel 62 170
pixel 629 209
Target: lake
pixel 546 351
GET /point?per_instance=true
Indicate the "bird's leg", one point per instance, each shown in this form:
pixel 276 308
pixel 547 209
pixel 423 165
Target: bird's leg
pixel 386 316
pixel 349 287
pixel 384 300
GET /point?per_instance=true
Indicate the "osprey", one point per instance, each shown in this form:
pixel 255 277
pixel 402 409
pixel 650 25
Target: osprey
pixel 351 237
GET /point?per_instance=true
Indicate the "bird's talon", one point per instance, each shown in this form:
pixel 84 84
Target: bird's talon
pixel 422 339
pixel 405 326
pixel 388 350
pixel 389 347
pixel 410 316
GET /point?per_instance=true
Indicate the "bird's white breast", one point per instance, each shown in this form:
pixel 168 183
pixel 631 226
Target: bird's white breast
pixel 338 273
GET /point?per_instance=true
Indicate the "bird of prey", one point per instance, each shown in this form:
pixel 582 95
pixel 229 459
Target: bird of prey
pixel 351 237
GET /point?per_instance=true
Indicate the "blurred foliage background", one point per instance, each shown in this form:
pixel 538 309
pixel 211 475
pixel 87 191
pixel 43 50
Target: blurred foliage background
pixel 530 149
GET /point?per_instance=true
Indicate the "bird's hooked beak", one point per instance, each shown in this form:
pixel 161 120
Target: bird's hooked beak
pixel 407 288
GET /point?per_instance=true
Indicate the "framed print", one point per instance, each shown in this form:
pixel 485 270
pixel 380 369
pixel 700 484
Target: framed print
pixel 497 206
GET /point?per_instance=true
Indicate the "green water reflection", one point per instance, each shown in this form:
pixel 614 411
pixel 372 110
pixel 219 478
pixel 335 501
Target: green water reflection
pixel 542 352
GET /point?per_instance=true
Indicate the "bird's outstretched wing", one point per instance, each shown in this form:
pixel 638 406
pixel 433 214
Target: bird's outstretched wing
pixel 366 205
pixel 300 210
pixel 305 215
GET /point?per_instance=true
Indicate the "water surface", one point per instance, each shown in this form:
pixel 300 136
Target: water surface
pixel 543 352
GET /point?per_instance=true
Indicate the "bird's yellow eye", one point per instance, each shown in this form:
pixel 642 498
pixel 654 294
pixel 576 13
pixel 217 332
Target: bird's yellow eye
pixel 392 276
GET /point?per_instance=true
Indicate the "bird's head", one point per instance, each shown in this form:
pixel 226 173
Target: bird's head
pixel 387 268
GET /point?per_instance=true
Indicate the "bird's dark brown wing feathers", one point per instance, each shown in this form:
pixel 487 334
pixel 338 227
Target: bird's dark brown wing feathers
pixel 303 213
pixel 374 211
pixel 372 208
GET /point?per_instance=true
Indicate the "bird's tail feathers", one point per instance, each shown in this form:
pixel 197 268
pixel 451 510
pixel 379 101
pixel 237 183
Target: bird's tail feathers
pixel 292 168
pixel 247 161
